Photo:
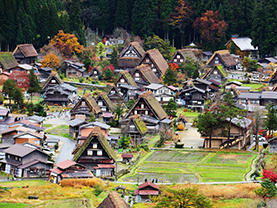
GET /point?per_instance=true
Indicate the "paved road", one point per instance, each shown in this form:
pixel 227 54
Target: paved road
pixel 191 137
pixel 66 147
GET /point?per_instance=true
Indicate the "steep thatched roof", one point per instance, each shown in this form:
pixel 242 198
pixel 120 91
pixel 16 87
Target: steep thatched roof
pixel 219 68
pixel 91 103
pixel 107 100
pixel 27 50
pixel 141 126
pixel 7 60
pixel 55 75
pixel 158 59
pixel 147 73
pixel 153 102
pixel 137 48
pixel 96 131
pixel 128 78
pixel 113 200
pixel 225 56
pixel 185 53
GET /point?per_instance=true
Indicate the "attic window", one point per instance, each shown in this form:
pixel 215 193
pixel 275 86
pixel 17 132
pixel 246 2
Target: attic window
pixel 136 112
pixel 147 60
pixel 89 152
pixel 181 60
pixel 154 69
pixel 178 56
pixel 53 81
pixel 146 112
pixel 122 80
pixel 99 153
pixel 95 72
pixel 142 105
pixel 175 60
pixel 215 72
pixel 83 102
pixel 94 146
pixel 100 102
pixel 137 74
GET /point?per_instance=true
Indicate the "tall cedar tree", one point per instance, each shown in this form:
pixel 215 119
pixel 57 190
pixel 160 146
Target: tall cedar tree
pixel 144 17
pixel 75 20
pixel 34 84
pixel 17 97
pixel 170 77
pixel 103 23
pixel 271 120
pixel 207 123
pixel 121 15
pixel 171 108
pixel 229 111
pixel 114 57
pixel 181 17
pixel 8 89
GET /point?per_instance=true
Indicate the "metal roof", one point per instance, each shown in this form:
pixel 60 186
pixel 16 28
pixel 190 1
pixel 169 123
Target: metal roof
pixel 36 118
pixel 76 122
pixel 250 95
pixel 154 86
pixel 244 44
pixel 20 150
pixel 269 95
pixel 65 164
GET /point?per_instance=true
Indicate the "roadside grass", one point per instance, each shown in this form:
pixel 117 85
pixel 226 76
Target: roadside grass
pixel 193 166
pixel 153 141
pixel 62 130
pixel 11 205
pixel 10 184
pixel 47 125
pixel 255 86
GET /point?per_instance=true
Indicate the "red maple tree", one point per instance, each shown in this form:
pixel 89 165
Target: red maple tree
pixel 270 175
pixel 21 78
pixel 210 26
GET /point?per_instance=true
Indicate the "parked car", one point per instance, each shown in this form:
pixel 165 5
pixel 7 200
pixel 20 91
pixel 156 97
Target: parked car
pixel 48 151
pixel 261 138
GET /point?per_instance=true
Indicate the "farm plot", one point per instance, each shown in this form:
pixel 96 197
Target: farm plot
pixel 193 167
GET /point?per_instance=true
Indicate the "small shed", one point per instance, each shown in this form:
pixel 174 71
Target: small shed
pixel 126 158
pixel 146 190
pixel 272 145
pixel 113 200
pixel 74 126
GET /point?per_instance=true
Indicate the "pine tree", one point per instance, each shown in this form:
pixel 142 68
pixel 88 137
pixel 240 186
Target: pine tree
pixel 105 15
pixel 53 19
pixel 121 15
pixel 143 17
pixel 169 77
pixel 114 57
pixel 34 85
pixel 171 108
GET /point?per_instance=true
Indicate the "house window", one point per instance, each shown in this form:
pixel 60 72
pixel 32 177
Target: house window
pixel 122 80
pixel 154 69
pixel 199 102
pixel 136 112
pixel 178 56
pixel 89 152
pixel 137 74
pixel 254 101
pixel 175 60
pixel 8 156
pixel 37 142
pixel 19 159
pixel 166 91
pixel 53 81
pixel 100 102
pixel 99 153
pixel 94 146
pixel 215 72
pixel 243 101
pixel 83 102
pixel 16 158
pixel 137 78
pixel 187 94
pixel 146 112
pixel 83 108
pixel 142 106
pixel 95 72
pixel 216 60
pixel 181 60
pixel 103 109
pixel 146 60
pixel 152 65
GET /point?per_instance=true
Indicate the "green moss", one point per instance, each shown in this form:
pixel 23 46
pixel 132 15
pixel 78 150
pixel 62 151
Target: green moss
pixel 222 71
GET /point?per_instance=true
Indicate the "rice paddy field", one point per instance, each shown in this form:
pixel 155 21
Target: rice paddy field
pixel 192 167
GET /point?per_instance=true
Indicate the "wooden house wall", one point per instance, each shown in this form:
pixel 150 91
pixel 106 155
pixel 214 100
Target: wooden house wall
pixel 35 155
pixel 72 72
pixel 121 82
pixel 217 60
pixel 142 111
pixel 29 140
pixel 154 67
pixel 178 58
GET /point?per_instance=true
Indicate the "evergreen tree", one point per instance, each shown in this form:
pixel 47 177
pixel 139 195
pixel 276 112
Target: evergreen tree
pixel 121 15
pixel 75 20
pixel 108 74
pixel 8 89
pixel 64 21
pixel 105 15
pixel 53 19
pixel 9 26
pixel 34 85
pixel 169 77
pixel 44 23
pixel 114 57
pixel 271 120
pixel 171 108
pixel 143 17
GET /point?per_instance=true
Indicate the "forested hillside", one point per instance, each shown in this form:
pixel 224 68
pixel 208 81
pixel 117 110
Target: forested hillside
pixel 207 22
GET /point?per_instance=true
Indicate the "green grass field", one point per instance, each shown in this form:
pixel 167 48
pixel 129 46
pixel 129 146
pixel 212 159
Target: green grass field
pixel 193 166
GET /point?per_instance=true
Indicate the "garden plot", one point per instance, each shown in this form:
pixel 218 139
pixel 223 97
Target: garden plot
pixel 193 166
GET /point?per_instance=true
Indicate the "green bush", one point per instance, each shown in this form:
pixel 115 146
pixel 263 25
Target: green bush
pixel 81 79
pixel 98 189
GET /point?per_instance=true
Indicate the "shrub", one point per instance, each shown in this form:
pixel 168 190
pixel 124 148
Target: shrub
pixel 81 182
pixel 181 127
pixel 98 189
pixel 270 175
pixel 81 79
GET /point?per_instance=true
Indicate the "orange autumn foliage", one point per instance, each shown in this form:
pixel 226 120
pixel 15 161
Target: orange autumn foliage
pixel 181 127
pixel 51 60
pixel 67 44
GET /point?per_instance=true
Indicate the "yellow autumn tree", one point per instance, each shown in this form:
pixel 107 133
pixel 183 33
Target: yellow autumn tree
pixel 67 44
pixel 51 60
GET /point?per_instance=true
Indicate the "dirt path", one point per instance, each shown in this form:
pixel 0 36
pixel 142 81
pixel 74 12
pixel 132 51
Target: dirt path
pixel 191 137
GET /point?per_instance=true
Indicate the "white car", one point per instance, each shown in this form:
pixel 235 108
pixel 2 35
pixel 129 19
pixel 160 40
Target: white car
pixel 261 138
pixel 48 151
